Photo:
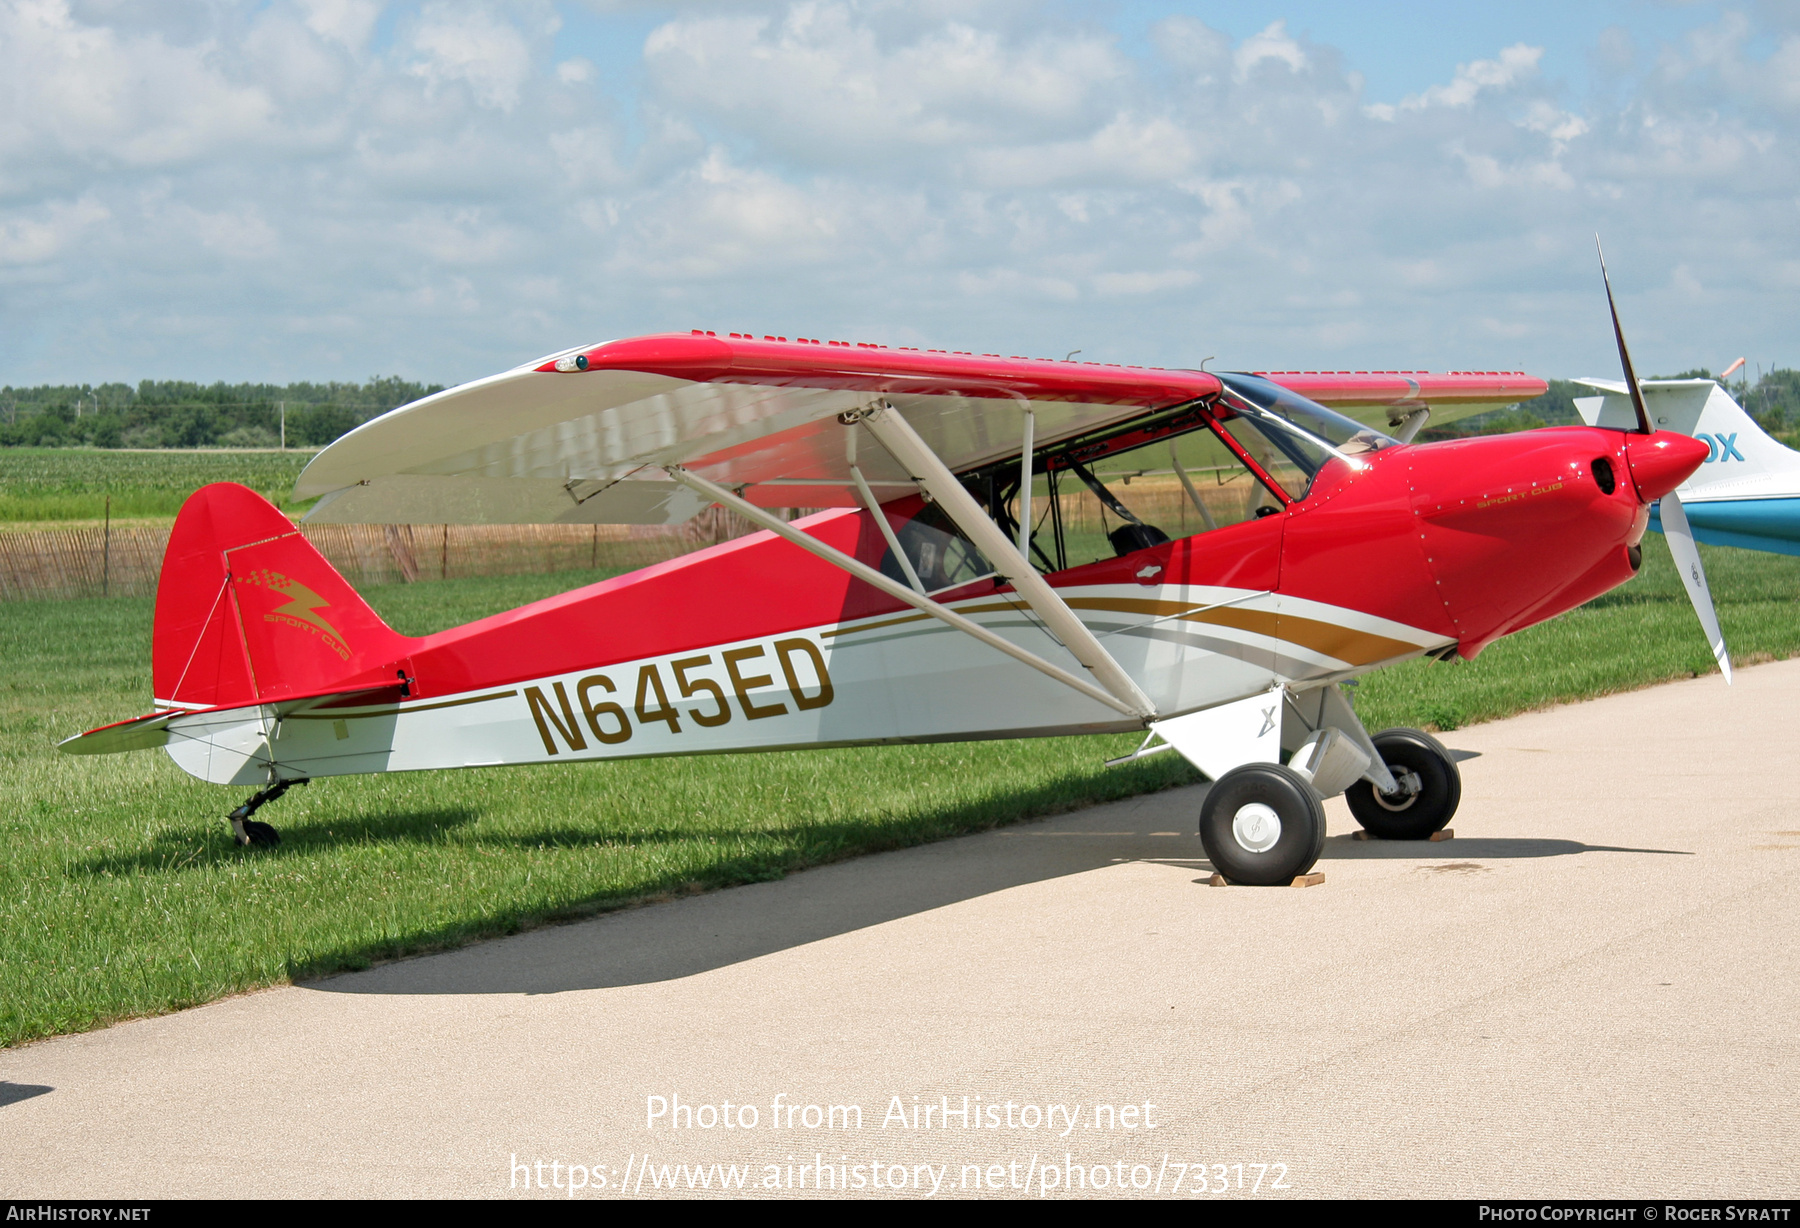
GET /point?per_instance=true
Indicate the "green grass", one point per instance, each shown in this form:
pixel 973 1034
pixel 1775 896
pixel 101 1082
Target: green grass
pixel 121 893
pixel 1642 633
pixel 51 484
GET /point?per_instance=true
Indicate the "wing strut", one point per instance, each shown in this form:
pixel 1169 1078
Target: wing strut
pixel 903 443
pixel 900 592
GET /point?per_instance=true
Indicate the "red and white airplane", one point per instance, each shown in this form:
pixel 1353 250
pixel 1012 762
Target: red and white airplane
pixel 946 592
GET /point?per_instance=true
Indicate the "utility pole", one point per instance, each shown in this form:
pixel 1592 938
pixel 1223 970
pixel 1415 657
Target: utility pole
pixel 283 405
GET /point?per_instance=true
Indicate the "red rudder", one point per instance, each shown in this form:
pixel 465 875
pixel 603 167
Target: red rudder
pixel 247 610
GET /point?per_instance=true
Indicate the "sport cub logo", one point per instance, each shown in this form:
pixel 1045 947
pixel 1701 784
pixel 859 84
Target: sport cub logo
pixel 302 609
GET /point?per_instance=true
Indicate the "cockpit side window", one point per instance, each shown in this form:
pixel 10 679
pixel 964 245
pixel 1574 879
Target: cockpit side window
pixel 1171 486
pixel 941 556
pixel 1289 460
pixel 1192 468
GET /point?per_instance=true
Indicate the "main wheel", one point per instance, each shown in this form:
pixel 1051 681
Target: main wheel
pixel 1431 787
pixel 1262 824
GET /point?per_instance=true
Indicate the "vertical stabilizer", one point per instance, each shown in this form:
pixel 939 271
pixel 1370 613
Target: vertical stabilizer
pixel 247 610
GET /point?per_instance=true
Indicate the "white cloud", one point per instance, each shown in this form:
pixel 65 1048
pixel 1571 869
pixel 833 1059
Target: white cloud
pixel 719 220
pixel 474 46
pixel 1016 286
pixel 349 22
pixel 85 95
pixel 1127 150
pixel 43 233
pixel 1560 126
pixel 1272 43
pixel 817 80
pixel 1516 64
pixel 575 71
pixel 324 188
pixel 1145 283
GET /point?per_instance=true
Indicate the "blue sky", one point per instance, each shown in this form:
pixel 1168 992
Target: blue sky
pixel 316 189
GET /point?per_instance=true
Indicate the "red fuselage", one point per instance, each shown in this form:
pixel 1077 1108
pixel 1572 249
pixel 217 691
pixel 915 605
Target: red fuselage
pixel 1397 552
pixel 1473 539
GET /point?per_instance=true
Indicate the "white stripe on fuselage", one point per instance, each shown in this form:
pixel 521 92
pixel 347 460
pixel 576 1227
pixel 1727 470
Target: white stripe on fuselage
pixel 901 676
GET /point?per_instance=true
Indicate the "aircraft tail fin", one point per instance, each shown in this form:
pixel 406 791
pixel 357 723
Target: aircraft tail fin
pixel 248 611
pixel 1739 448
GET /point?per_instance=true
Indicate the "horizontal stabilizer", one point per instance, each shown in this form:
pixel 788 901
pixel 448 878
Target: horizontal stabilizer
pixel 145 732
pixel 154 729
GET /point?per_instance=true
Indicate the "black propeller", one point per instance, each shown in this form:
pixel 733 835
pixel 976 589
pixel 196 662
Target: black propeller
pixel 1674 517
pixel 1631 384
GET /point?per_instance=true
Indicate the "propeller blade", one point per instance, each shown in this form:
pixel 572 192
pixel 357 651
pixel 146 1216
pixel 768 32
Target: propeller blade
pixel 1631 384
pixel 1693 576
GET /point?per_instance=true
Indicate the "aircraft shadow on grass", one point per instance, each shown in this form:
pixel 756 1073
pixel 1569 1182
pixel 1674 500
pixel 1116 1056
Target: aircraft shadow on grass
pixel 175 850
pixel 705 932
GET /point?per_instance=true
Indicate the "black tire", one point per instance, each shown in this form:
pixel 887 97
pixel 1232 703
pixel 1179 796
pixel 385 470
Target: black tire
pixel 261 834
pixel 1296 808
pixel 1418 816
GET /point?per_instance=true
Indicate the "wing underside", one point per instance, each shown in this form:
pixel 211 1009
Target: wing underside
pixel 560 444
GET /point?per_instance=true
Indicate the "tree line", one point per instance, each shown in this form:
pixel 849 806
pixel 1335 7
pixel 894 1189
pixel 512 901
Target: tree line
pixel 183 414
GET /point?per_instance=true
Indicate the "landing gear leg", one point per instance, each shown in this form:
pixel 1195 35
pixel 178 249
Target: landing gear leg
pixel 247 831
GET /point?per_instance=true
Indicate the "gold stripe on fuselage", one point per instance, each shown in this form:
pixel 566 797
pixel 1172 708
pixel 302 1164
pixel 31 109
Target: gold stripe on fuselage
pixel 1342 643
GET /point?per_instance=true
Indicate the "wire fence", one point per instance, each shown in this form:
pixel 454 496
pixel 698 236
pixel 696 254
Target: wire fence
pixel 126 561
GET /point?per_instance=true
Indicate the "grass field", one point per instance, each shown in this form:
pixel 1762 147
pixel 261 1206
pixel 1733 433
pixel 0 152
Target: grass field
pixel 121 893
pixel 39 485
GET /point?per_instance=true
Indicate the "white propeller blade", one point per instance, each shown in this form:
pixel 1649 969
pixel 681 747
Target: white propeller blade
pixel 1693 576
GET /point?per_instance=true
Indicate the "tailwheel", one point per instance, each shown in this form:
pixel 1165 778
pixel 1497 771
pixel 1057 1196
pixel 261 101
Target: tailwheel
pixel 1262 825
pixel 1430 788
pixel 249 831
pixel 245 830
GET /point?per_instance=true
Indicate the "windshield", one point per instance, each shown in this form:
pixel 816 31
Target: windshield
pixel 1348 436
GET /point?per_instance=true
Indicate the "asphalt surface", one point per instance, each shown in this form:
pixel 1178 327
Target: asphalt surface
pixel 1591 991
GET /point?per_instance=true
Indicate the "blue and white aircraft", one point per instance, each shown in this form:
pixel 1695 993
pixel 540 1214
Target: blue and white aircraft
pixel 1747 494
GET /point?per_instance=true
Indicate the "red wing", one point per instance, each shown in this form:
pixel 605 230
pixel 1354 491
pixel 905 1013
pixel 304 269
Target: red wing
pixel 1383 398
pixel 580 437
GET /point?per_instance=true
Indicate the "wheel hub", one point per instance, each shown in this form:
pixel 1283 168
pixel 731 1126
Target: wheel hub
pixel 1256 827
pixel 1410 788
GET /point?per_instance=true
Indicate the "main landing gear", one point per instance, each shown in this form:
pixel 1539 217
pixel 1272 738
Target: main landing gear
pixel 1430 788
pixel 1262 824
pixel 246 830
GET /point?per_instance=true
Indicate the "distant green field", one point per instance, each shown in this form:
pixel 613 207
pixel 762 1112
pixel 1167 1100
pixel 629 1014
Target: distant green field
pixel 121 893
pixel 48 484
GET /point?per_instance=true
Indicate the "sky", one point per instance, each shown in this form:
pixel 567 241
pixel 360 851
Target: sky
pixel 334 189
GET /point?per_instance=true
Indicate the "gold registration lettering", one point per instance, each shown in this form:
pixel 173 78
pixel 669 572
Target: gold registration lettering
pixel 546 717
pixel 742 685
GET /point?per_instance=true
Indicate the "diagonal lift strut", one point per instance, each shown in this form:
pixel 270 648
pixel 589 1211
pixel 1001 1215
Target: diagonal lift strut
pixel 900 592
pixel 897 435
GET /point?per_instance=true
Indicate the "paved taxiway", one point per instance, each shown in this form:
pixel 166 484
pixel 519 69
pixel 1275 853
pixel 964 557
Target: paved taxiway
pixel 1592 990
